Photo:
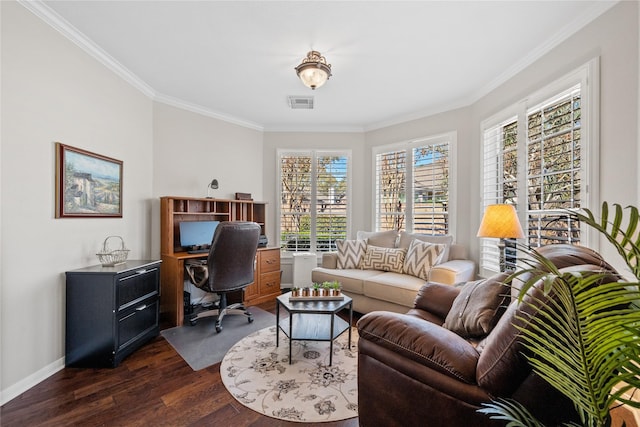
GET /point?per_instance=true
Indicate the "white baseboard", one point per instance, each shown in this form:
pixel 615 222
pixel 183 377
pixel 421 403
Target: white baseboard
pixel 20 387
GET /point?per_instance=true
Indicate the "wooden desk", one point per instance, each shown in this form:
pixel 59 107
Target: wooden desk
pixel 266 285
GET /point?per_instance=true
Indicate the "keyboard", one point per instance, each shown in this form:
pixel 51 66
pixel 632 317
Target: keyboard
pixel 198 251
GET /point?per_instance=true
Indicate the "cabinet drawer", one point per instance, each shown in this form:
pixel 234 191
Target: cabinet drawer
pixel 137 322
pixel 269 261
pixel 136 287
pixel 270 283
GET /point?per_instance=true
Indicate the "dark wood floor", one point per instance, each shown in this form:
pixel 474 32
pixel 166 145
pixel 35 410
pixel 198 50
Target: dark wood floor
pixel 152 387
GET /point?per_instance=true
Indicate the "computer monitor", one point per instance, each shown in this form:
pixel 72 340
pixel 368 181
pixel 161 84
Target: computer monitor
pixel 196 234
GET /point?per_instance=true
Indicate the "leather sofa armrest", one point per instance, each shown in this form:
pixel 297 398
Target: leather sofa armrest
pixel 454 271
pixel 330 260
pixel 436 298
pixel 423 342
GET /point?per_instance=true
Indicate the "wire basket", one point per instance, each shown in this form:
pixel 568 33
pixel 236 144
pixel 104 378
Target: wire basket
pixel 109 257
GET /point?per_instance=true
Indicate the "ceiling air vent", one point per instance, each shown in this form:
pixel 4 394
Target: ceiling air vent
pixel 301 102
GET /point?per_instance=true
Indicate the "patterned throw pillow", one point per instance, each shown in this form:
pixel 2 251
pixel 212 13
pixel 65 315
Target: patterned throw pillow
pixel 350 253
pixel 384 259
pixel 421 256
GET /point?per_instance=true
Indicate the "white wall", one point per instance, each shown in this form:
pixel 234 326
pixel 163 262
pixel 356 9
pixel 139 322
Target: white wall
pixel 191 149
pixel 613 37
pixel 53 91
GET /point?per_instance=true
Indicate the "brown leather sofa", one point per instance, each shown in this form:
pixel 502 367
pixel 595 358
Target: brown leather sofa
pixel 414 371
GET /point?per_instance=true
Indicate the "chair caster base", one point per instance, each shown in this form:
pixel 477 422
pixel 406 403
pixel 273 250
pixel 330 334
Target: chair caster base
pixel 218 328
pixel 193 322
pixel 250 319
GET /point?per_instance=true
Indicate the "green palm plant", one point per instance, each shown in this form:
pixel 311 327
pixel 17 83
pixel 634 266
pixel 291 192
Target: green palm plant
pixel 585 340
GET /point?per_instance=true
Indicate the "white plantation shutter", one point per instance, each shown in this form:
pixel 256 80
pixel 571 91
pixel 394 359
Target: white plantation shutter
pixel 554 169
pixel 413 186
pixel 332 201
pixel 431 189
pixel 391 174
pixel 499 183
pixel 295 201
pixel 314 199
pixel 539 157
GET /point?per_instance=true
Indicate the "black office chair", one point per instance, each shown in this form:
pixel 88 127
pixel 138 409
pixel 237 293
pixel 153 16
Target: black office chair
pixel 228 269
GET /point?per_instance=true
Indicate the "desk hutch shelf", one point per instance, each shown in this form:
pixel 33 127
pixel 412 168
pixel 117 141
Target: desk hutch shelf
pixel 173 211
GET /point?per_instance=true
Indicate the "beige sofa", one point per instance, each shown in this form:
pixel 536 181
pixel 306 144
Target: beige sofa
pixel 373 289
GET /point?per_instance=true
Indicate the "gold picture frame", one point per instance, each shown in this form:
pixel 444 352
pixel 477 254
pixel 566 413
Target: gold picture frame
pixel 88 185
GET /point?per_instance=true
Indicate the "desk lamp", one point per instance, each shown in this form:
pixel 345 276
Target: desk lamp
pixel 501 221
pixel 213 185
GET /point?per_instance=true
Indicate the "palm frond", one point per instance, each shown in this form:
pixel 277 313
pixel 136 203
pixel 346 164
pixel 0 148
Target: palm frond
pixel 576 341
pixel 626 240
pixel 510 411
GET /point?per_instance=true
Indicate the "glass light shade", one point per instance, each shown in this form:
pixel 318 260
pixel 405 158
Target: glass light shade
pixel 500 221
pixel 313 77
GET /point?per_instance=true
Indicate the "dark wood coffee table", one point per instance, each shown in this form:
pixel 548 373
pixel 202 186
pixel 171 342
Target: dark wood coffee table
pixel 313 321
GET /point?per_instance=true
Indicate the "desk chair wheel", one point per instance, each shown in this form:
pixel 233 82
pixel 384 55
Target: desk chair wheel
pixel 250 319
pixel 193 322
pixel 218 328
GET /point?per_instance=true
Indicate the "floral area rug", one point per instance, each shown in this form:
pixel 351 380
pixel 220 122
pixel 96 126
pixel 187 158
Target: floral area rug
pixel 258 375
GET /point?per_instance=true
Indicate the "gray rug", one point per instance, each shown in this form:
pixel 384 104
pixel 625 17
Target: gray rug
pixel 201 346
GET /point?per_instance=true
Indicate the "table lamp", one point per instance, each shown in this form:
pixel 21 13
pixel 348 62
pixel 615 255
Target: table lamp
pixel 501 221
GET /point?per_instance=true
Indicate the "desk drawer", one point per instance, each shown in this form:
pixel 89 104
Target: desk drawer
pixel 270 283
pixel 269 260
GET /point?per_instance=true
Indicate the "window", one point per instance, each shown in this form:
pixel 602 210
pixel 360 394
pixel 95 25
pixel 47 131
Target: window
pixel 314 199
pixel 426 165
pixel 536 156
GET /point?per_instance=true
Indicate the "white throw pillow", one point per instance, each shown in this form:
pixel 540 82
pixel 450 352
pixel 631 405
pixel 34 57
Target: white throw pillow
pixel 350 253
pixel 421 256
pixel 384 259
pixel 383 239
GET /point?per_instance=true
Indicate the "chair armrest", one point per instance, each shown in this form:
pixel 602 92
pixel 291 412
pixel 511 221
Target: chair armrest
pixel 436 298
pixel 454 271
pixel 422 342
pixel 330 260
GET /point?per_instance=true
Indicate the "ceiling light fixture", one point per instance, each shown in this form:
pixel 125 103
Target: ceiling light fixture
pixel 314 70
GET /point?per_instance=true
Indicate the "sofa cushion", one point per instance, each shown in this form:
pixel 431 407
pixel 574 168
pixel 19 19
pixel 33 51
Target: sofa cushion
pixel 383 239
pixel 447 239
pixel 351 280
pixel 478 307
pixel 421 256
pixel 393 287
pixel 350 253
pixel 384 259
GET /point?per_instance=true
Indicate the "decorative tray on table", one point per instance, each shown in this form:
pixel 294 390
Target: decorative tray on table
pixel 317 298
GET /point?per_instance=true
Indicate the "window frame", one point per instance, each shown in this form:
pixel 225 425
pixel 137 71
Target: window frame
pixel 314 154
pixel 587 76
pixel 408 146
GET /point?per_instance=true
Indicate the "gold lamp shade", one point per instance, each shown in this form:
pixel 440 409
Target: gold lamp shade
pixel 500 221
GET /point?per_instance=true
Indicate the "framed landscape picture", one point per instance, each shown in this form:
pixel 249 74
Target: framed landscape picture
pixel 87 184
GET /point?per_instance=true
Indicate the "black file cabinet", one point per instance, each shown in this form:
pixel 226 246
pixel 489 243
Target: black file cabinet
pixel 111 311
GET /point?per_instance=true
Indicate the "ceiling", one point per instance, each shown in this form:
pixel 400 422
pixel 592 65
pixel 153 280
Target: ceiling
pixel 392 61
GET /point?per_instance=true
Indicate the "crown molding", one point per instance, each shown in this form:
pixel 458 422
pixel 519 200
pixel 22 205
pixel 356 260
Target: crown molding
pixel 573 27
pixel 58 23
pixel 194 108
pixel 49 16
